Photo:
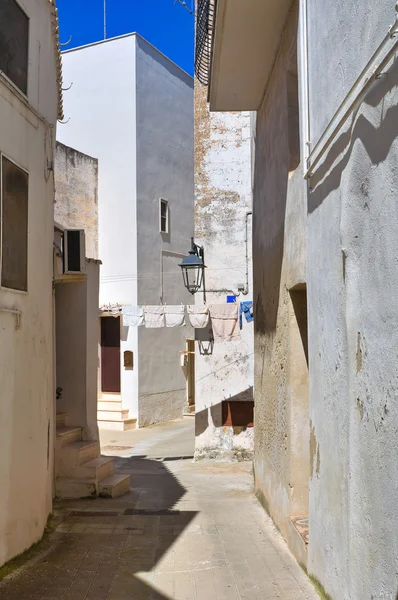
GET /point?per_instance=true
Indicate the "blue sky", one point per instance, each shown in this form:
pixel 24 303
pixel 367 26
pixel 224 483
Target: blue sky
pixel 164 23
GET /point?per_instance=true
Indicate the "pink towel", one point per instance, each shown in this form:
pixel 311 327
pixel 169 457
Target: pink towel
pixel 224 321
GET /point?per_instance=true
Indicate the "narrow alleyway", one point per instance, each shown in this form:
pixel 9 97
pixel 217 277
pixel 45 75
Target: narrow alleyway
pixel 186 531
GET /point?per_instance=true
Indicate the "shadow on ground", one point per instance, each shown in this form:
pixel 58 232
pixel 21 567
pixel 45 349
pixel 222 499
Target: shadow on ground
pixel 107 549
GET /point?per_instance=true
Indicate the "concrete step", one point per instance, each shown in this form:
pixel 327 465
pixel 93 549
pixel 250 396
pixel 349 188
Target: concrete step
pixel 61 419
pixel 104 397
pixel 112 415
pixel 98 468
pixel 71 487
pixel 68 435
pixel 68 458
pixel 109 405
pixel 118 424
pixel 114 486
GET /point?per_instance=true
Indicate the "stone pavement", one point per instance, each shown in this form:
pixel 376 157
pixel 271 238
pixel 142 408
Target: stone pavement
pixel 186 531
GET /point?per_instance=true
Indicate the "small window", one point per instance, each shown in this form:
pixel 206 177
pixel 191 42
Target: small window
pixel 14 40
pixel 14 221
pixel 164 216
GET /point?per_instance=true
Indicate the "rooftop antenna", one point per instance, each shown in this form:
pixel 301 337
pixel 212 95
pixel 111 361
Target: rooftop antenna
pixel 185 5
pixel 104 19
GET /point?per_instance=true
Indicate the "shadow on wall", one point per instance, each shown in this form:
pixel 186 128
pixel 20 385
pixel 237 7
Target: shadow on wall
pixel 278 156
pixel 237 411
pixel 377 141
pixel 148 529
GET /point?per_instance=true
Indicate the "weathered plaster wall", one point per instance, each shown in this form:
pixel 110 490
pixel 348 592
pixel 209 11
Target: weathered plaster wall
pixel 26 355
pixel 76 194
pixel 222 200
pixel 352 294
pixel 281 461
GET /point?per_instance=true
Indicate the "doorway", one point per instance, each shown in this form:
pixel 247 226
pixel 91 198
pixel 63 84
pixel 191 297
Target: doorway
pixel 110 354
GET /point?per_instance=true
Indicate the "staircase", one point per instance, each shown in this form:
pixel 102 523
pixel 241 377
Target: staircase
pixel 81 471
pixel 111 415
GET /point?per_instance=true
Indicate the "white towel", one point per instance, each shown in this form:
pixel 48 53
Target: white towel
pixel 224 321
pixel 175 315
pixel 154 316
pixel 198 315
pixel 133 316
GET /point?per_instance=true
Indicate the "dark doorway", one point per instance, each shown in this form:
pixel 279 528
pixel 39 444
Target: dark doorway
pixel 110 354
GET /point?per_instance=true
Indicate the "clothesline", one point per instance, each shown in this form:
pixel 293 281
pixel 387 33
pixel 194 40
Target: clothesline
pixel 225 319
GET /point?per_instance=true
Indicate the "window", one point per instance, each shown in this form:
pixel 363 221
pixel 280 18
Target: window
pixel 14 226
pixel 164 216
pixel 14 37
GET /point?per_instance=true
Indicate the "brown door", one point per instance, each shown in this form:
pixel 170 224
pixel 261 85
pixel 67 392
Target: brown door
pixel 110 354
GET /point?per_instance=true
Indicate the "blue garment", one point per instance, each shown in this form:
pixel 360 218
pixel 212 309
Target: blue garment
pixel 246 308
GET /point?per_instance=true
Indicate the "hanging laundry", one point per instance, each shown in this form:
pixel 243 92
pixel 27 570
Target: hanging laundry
pixel 224 320
pixel 154 316
pixel 175 315
pixel 133 316
pixel 246 308
pixel 198 315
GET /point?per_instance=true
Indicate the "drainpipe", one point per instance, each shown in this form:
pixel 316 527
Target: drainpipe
pixel 246 290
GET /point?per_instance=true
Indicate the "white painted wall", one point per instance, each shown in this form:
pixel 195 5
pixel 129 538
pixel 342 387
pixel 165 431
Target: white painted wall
pixel 26 355
pixel 353 309
pixel 102 127
pixel 222 199
pixel 144 144
pixel 164 170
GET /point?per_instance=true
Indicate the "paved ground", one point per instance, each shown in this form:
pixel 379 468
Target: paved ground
pixel 187 531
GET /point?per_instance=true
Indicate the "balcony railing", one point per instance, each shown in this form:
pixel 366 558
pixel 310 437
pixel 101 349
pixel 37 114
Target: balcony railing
pixel 203 41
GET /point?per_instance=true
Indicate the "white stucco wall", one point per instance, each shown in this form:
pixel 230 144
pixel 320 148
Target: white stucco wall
pixel 102 127
pixel 222 200
pixel 352 294
pixel 26 355
pixel 164 170
pixel 144 145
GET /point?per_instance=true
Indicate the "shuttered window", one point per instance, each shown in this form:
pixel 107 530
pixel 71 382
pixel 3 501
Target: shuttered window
pixel 14 226
pixel 14 40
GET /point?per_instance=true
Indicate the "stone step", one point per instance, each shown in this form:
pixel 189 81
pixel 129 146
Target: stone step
pixel 118 424
pixel 114 486
pixel 98 468
pixel 61 419
pixel 68 435
pixel 70 457
pixel 72 487
pixel 113 415
pixel 109 405
pixel 104 397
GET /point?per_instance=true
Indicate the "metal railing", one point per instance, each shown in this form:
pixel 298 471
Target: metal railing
pixel 203 40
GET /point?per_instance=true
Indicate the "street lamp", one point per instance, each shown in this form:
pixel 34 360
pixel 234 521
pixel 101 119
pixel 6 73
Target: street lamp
pixel 193 268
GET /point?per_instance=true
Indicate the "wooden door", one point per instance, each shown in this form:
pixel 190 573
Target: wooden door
pixel 110 354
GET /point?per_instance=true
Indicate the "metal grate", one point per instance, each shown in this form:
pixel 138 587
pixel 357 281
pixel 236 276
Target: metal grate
pixel 203 41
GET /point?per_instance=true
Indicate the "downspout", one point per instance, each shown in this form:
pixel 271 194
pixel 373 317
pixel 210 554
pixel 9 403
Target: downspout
pixel 246 290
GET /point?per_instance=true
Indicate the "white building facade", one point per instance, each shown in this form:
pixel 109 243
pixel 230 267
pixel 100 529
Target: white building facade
pixel 30 102
pixel 133 109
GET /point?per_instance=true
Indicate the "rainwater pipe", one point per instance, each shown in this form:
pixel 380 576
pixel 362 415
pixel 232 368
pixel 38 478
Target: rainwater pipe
pixel 246 290
pixel 372 71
